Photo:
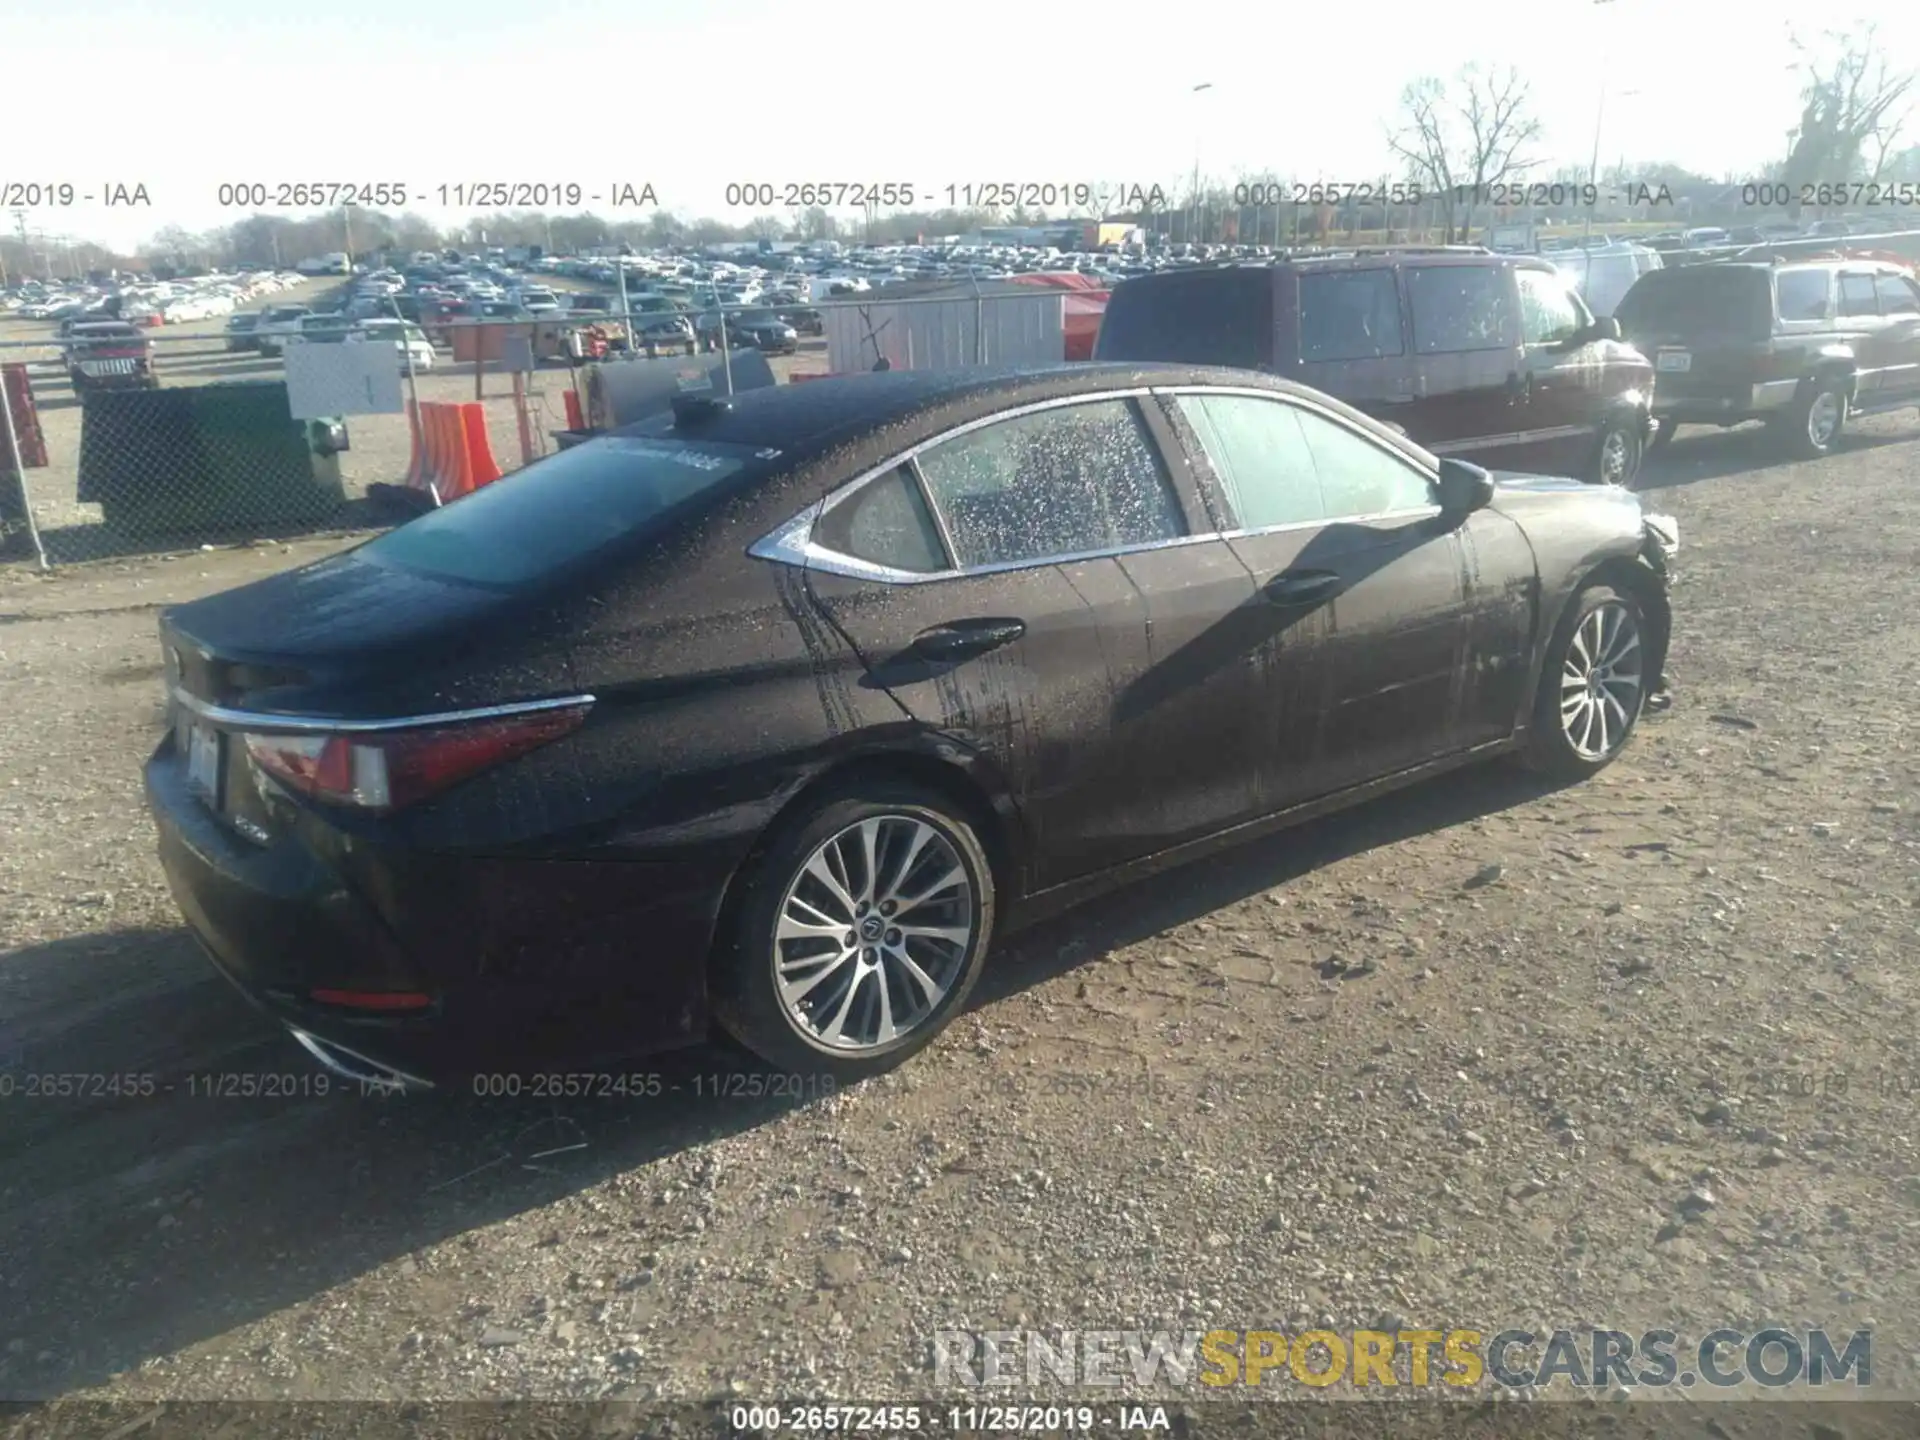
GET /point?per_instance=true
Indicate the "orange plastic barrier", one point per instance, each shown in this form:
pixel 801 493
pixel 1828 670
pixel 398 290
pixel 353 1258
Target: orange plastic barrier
pixel 482 468
pixel 454 455
pixel 575 419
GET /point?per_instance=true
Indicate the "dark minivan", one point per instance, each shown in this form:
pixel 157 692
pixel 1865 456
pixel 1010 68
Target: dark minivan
pixel 1491 358
pixel 1803 346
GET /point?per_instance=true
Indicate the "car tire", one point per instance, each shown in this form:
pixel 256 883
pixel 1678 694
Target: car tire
pixel 1662 437
pixel 908 827
pixel 1618 456
pixel 1812 425
pixel 1565 739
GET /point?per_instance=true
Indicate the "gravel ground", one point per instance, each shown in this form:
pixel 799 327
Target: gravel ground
pixel 1637 1053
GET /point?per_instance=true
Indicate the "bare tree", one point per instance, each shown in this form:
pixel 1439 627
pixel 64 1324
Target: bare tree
pixel 1457 140
pixel 1852 99
pixel 815 222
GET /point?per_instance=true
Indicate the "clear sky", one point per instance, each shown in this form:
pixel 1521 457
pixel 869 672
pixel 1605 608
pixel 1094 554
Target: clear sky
pixel 690 94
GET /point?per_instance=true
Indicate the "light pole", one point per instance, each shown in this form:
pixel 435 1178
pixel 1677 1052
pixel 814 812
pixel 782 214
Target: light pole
pixel 1593 167
pixel 1193 213
pixel 1599 117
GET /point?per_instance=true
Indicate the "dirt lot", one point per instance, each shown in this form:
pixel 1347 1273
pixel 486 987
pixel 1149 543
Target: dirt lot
pixel 1553 1019
pixel 195 353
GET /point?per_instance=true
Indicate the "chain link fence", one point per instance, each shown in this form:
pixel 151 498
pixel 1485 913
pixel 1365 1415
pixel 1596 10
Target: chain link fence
pixel 155 440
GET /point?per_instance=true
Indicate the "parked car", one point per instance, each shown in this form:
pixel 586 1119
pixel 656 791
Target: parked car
pixel 109 354
pixel 324 329
pixel 240 330
pixel 843 680
pixel 804 319
pixel 276 323
pixel 763 330
pixel 665 331
pixel 1603 275
pixel 1804 346
pixel 1486 357
pixel 410 343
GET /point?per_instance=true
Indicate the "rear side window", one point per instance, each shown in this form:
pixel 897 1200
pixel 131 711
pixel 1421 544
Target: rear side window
pixel 542 519
pixel 1804 294
pixel 1353 315
pixel 885 522
pixel 1074 480
pixel 1214 317
pixel 1898 295
pixel 1460 308
pixel 1856 295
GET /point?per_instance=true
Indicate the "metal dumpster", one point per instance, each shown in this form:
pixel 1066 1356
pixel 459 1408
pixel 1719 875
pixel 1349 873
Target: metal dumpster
pixel 205 458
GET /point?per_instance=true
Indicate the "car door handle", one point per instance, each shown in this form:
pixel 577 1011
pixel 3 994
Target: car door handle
pixel 1302 587
pixel 963 639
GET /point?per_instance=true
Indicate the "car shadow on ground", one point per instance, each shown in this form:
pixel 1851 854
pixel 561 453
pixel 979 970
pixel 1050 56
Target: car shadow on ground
pixel 1700 453
pixel 169 1168
pixel 1191 892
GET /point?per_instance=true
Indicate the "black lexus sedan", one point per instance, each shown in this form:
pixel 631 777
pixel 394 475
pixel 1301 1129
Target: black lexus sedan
pixel 774 711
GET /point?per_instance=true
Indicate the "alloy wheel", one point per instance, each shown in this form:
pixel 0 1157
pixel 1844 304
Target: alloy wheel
pixel 872 933
pixel 1600 682
pixel 1823 418
pixel 1615 457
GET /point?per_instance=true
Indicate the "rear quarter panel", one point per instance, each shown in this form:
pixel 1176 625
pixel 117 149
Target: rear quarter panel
pixel 722 691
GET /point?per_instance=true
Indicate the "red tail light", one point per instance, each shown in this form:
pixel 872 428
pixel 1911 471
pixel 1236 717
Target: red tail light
pixel 387 770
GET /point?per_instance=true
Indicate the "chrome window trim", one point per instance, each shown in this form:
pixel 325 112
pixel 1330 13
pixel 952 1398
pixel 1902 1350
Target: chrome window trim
pixel 265 722
pixel 792 543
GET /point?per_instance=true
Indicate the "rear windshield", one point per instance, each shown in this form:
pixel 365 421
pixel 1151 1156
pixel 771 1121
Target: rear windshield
pixel 1217 317
pixel 1699 300
pixel 560 510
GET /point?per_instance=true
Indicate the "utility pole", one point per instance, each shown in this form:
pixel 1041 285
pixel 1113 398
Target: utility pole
pixel 1193 214
pixel 1593 169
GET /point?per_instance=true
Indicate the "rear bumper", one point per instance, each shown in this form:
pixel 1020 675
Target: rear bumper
pixel 1726 405
pixel 529 964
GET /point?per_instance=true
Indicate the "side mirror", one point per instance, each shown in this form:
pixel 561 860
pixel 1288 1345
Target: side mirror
pixel 1464 488
pixel 1606 328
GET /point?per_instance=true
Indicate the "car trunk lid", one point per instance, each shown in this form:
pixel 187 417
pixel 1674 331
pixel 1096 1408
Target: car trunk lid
pixel 344 639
